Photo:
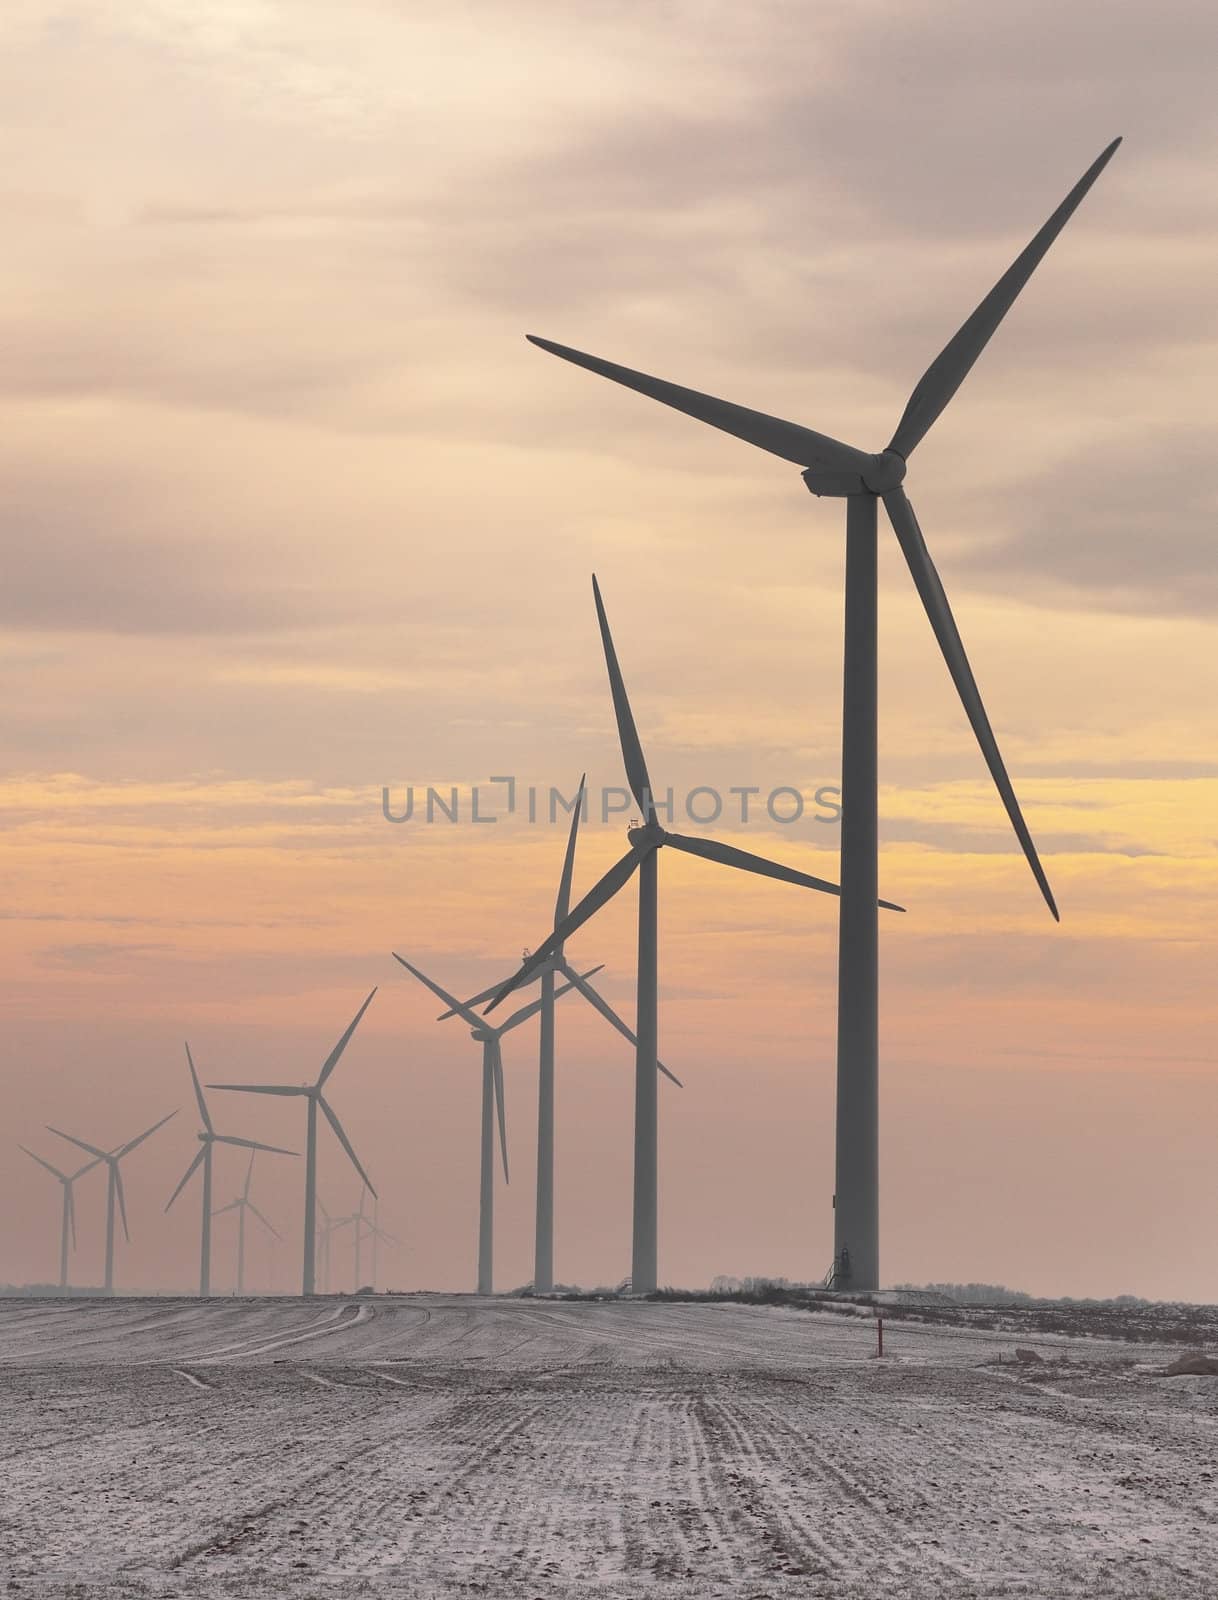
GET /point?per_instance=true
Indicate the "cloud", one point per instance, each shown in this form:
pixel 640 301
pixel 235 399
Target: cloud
pixel 1131 525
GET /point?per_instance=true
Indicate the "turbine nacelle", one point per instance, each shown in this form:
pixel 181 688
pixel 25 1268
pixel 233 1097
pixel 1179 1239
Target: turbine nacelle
pixel 881 473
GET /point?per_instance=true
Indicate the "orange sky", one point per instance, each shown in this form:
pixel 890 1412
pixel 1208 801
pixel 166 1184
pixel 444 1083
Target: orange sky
pixel 293 512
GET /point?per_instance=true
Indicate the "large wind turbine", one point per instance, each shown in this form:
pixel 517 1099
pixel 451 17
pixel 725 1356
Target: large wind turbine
pixel 68 1218
pixel 312 1093
pixel 862 479
pixel 114 1189
pixel 489 1037
pixel 642 857
pixel 241 1205
pixel 208 1139
pixel 543 1239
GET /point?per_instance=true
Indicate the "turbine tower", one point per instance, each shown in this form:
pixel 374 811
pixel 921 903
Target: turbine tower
pixel 642 857
pixel 241 1205
pixel 114 1190
pixel 68 1217
pixel 543 1238
pixel 312 1092
pixel 863 479
pixel 208 1139
pixel 489 1038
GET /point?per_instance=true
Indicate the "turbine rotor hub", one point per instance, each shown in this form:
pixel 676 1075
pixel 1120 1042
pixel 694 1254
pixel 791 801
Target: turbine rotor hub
pixel 885 472
pixel 648 837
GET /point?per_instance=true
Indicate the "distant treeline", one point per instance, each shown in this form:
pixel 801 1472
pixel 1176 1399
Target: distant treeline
pixel 36 1291
pixel 997 1294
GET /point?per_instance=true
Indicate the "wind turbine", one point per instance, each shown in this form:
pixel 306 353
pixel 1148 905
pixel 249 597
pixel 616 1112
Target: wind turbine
pixel 208 1139
pixel 329 1226
pixel 68 1219
pixel 543 1240
pixel 862 479
pixel 114 1189
pixel 377 1235
pixel 492 1102
pixel 366 1227
pixel 241 1205
pixel 643 857
pixel 312 1093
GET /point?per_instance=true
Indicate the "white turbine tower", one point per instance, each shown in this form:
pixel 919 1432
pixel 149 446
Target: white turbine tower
pixel 114 1189
pixel 863 479
pixel 312 1092
pixel 645 844
pixel 241 1205
pixel 67 1221
pixel 543 1238
pixel 208 1139
pixel 489 1037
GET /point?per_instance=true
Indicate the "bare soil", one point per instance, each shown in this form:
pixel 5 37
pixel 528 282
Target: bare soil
pixel 440 1445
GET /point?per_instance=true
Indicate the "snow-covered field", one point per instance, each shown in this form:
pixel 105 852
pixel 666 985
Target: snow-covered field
pixel 436 1445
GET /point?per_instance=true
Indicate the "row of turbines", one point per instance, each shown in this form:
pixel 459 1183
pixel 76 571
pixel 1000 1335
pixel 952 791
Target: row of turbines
pixel 829 468
pixel 367 1228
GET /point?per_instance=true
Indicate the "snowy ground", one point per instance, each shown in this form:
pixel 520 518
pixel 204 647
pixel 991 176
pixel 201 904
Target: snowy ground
pixel 435 1446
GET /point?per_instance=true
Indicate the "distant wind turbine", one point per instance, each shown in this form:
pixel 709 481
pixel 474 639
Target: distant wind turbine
pixel 328 1227
pixel 489 1037
pixel 312 1092
pixel 68 1217
pixel 863 479
pixel 208 1139
pixel 642 857
pixel 368 1227
pixel 543 1238
pixel 114 1190
pixel 241 1205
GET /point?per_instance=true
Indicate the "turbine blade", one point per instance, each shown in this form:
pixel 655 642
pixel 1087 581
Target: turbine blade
pixel 332 1059
pixel 259 1088
pixel 253 1144
pixel 262 1219
pixel 931 592
pixel 126 1149
pixel 619 874
pixel 497 1074
pixel 531 1010
pixel 102 1155
pixel 231 1206
pixel 563 904
pixel 72 1214
pixel 455 1005
pixel 786 439
pixel 88 1167
pixel 727 855
pixel 194 1078
pixel 627 733
pixel 187 1175
pixel 954 362
pixel 477 999
pixel 122 1200
pixel 62 1176
pixel 344 1141
pixel 599 1003
pixel 249 1173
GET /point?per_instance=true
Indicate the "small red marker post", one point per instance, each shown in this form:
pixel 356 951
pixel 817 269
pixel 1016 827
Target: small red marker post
pixel 879 1334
